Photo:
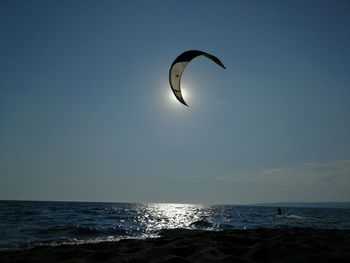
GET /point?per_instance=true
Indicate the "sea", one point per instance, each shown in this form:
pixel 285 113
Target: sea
pixel 27 224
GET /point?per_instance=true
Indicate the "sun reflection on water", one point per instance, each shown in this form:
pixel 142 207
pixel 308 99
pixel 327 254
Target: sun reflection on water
pixel 160 216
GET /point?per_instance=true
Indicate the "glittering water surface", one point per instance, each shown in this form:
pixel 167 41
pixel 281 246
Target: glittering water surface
pixel 28 224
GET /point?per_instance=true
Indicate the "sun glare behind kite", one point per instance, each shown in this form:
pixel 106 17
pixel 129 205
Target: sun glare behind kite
pixel 185 95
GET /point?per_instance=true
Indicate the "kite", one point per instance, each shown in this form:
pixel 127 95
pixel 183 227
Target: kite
pixel 178 66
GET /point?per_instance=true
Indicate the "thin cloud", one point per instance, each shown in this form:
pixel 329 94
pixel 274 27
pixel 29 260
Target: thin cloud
pixel 328 181
pixel 237 179
pixel 304 173
pixel 221 102
pixel 311 172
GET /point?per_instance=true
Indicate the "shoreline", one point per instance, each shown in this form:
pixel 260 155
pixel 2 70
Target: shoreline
pixel 250 245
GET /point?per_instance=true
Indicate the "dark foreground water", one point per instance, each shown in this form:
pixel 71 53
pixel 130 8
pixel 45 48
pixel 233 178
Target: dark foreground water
pixel 26 224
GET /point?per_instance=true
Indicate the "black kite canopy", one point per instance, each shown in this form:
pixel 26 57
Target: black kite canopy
pixel 178 66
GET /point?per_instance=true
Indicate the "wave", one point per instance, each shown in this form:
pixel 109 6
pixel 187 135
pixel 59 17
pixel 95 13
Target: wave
pixel 289 216
pixel 69 241
pixel 202 224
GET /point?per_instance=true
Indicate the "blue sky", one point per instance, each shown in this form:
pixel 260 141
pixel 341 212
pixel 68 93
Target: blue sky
pixel 86 111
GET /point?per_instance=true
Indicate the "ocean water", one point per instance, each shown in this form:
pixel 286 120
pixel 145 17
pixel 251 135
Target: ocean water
pixel 26 224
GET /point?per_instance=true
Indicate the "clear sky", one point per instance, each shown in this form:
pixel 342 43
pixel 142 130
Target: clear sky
pixel 86 111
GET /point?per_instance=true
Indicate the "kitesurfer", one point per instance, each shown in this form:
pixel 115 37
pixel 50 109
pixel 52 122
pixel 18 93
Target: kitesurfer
pixel 279 211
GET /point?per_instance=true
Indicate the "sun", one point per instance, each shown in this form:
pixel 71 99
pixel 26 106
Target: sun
pixel 185 94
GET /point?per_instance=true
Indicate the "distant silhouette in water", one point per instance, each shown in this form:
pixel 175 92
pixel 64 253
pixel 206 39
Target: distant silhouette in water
pixel 279 211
